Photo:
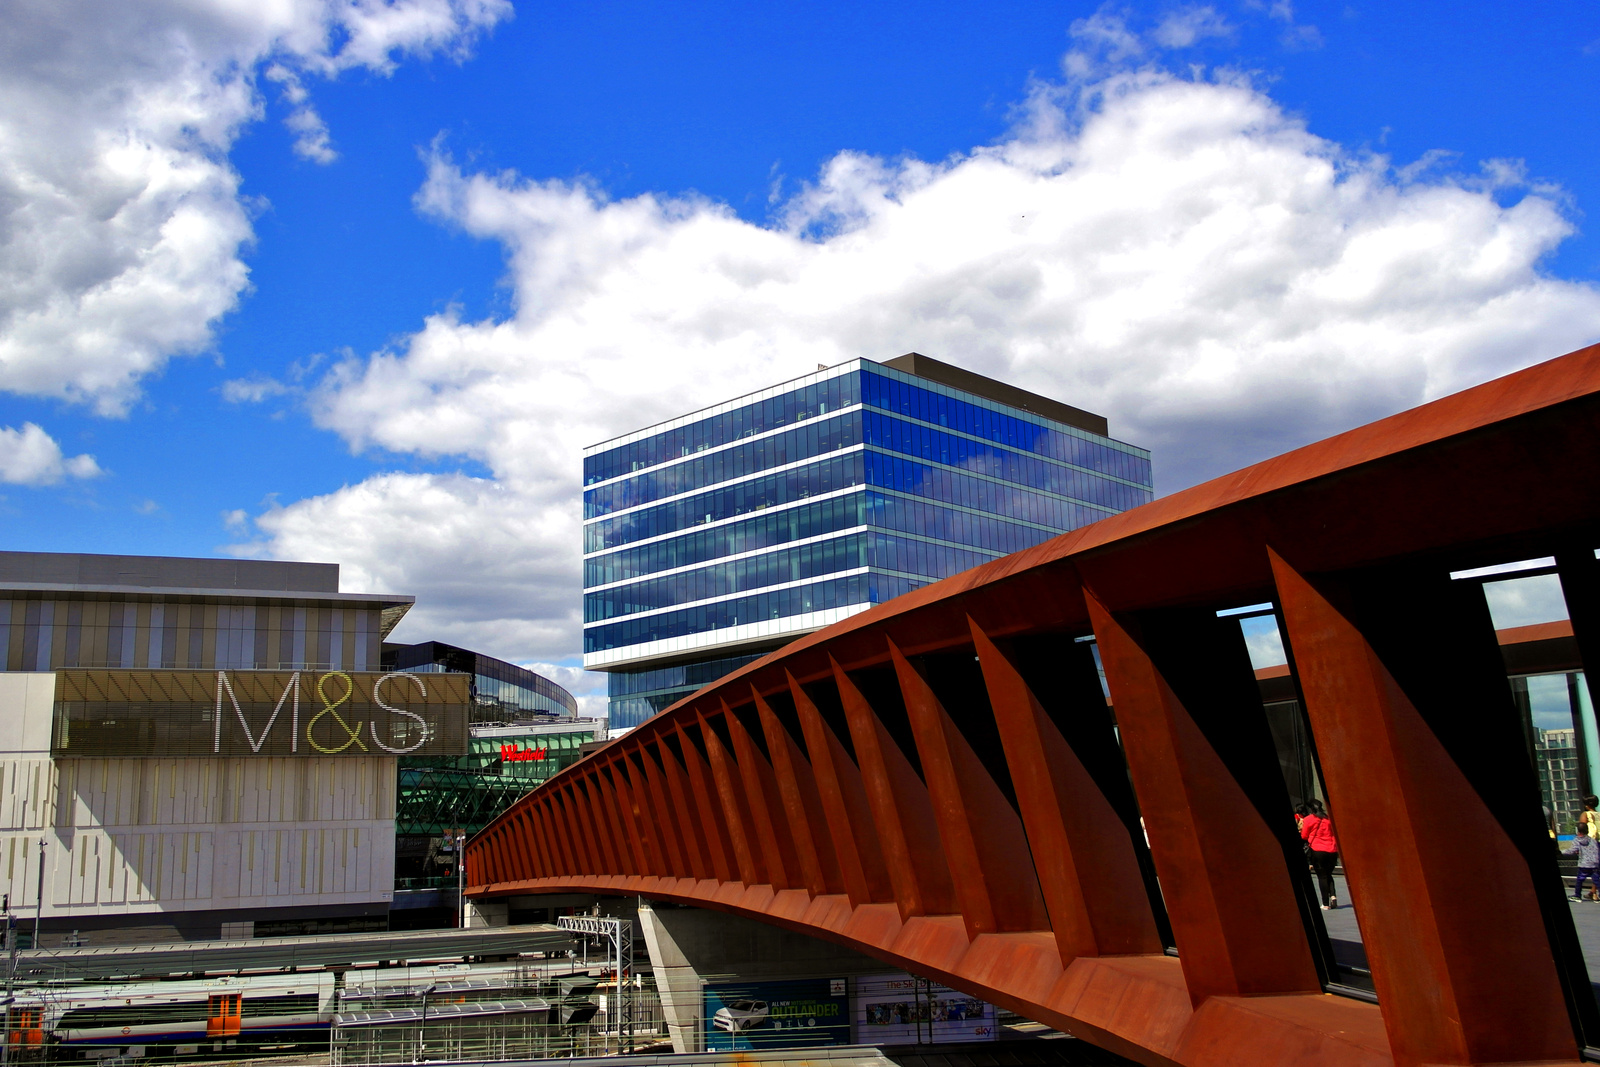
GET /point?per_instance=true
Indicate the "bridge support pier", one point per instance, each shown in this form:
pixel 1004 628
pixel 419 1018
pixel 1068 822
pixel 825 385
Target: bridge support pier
pixel 690 947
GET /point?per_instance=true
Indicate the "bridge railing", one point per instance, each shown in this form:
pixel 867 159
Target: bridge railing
pixel 943 781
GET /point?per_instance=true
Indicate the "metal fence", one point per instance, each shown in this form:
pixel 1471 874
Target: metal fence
pixel 490 1030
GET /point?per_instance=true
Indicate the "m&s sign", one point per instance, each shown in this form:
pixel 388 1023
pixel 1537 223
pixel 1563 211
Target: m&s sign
pixel 175 713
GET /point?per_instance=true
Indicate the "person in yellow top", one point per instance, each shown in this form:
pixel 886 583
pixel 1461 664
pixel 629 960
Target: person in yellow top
pixel 1589 817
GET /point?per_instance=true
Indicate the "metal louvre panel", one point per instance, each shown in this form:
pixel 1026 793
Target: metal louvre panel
pixel 174 714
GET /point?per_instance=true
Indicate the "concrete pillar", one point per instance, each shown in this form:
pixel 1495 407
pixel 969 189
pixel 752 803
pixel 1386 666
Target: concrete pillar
pixel 677 983
pixel 487 913
pixel 691 946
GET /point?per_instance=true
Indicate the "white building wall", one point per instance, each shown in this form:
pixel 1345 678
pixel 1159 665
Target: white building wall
pixel 128 836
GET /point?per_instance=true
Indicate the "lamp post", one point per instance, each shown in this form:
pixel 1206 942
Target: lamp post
pixel 38 905
pixel 461 878
pixel 422 1030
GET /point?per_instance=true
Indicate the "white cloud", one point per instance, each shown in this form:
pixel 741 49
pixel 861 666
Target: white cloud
pixel 252 390
pixel 120 221
pixel 1105 34
pixel 1264 641
pixel 1296 36
pixel 30 456
pixel 1179 255
pixel 1186 26
pixel 1525 601
pixel 312 140
pixel 467 548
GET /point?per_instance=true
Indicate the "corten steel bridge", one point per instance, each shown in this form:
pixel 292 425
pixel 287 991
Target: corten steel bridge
pixel 938 781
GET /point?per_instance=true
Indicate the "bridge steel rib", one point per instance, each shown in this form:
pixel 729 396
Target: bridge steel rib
pixel 939 782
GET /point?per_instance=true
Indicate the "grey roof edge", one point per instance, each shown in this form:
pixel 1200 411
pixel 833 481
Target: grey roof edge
pixel 43 966
pixel 233 572
pixel 375 939
pixel 937 370
pixel 152 591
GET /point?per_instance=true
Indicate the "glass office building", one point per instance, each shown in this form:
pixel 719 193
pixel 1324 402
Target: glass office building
pixel 716 537
pixel 501 691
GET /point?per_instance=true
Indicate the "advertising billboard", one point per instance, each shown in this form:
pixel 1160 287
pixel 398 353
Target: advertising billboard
pixel 797 1014
pixel 897 1009
pixel 176 713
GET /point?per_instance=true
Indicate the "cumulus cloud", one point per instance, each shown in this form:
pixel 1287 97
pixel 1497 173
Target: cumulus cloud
pixel 1296 35
pixel 1187 26
pixel 30 456
pixel 470 549
pixel 1178 254
pixel 252 390
pixel 311 137
pixel 120 220
pixel 1525 601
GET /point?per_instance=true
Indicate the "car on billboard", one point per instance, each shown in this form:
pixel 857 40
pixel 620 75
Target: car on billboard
pixel 740 1015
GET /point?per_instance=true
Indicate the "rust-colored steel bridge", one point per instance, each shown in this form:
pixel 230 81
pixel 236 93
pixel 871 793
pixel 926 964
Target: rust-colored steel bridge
pixel 940 783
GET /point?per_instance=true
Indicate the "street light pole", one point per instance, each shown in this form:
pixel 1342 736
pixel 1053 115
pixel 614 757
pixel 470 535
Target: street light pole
pixel 422 1031
pixel 38 904
pixel 461 880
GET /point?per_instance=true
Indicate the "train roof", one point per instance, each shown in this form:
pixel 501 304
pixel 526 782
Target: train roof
pixel 279 953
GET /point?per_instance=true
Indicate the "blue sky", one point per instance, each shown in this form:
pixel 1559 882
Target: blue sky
pixel 484 167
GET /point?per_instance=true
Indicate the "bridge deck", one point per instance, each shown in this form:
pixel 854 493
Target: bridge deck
pixel 940 783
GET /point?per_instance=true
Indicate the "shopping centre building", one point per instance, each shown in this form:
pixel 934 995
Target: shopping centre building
pixel 715 537
pixel 204 746
pixel 523 729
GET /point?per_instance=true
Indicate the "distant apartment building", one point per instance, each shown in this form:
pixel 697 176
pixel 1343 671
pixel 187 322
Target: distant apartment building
pixel 715 537
pixel 1556 757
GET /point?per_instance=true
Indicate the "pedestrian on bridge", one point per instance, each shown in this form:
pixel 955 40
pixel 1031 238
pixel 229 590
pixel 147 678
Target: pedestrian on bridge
pixel 1590 818
pixel 1587 849
pixel 1322 848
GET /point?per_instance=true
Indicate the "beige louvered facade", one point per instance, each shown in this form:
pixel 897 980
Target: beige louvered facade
pixel 125 836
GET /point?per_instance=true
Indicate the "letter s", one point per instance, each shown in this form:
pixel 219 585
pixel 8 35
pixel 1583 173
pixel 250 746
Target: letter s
pixel 377 698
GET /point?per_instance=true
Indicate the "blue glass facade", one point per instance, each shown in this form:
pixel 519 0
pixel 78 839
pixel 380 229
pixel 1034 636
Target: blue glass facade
pixel 724 533
pixel 501 691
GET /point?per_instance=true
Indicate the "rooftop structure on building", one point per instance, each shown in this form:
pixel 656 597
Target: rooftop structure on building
pixel 83 610
pixel 718 536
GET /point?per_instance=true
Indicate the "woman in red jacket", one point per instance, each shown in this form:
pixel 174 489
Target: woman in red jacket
pixel 1317 831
